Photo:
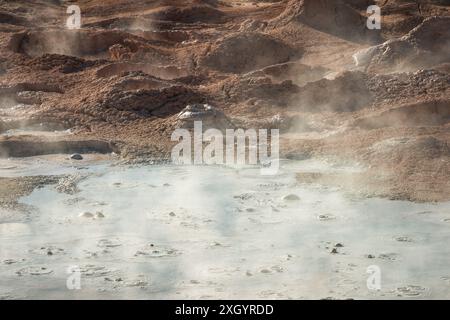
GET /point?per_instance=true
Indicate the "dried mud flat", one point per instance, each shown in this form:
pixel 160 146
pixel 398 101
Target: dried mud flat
pixel 375 102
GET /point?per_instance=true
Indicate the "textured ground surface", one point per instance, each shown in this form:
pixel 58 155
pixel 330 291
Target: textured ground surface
pixel 119 82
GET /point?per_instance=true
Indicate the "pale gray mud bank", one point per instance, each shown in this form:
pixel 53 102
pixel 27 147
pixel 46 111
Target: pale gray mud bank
pixel 214 232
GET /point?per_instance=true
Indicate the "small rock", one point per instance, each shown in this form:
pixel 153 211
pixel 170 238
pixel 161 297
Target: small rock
pixel 370 256
pixel 338 245
pixel 76 156
pixel 277 269
pixel 86 215
pixel 172 214
pixel 291 197
pixel 403 239
pixel 326 217
pixel 334 251
pixel 99 215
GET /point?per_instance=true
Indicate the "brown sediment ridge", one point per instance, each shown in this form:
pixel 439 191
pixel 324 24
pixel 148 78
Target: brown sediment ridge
pixel 336 89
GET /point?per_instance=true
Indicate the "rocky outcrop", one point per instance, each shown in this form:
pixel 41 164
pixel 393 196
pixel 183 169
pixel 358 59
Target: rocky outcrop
pixel 152 102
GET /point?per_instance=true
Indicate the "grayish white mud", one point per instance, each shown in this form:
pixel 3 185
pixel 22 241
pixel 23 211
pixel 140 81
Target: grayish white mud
pixel 212 232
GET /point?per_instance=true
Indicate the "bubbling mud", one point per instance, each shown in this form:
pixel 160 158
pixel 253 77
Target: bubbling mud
pixel 179 232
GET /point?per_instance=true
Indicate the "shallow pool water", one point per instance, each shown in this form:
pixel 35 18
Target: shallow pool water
pixel 215 232
pixel 53 164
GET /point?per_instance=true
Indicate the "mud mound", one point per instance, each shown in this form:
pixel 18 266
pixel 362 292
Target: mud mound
pixel 152 102
pixel 432 113
pixel 208 115
pixel 330 16
pixel 78 43
pixel 163 72
pixel 426 45
pixel 347 92
pixel 60 63
pixel 245 52
pixel 188 14
pixel 263 89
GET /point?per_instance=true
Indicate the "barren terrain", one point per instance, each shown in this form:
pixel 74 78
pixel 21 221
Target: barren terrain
pixel 120 82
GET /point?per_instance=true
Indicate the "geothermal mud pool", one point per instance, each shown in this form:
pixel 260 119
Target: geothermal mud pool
pixel 213 232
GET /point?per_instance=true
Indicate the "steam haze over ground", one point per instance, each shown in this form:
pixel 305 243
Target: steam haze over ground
pixel 364 120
